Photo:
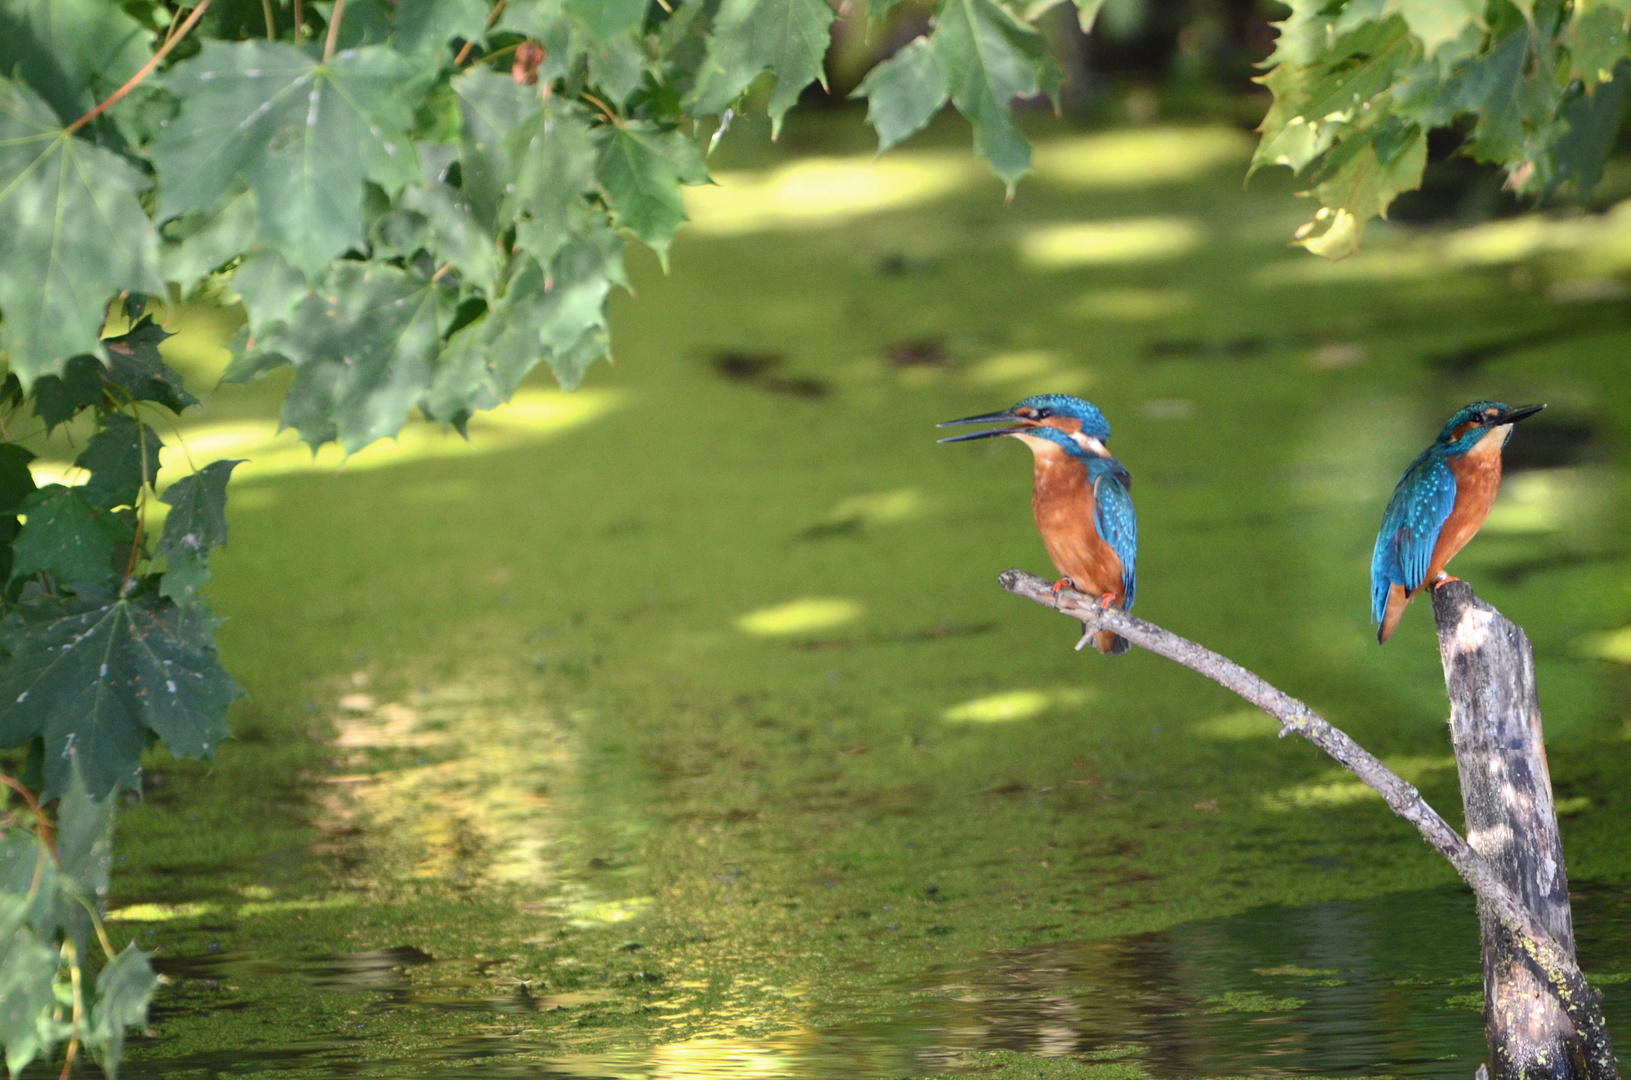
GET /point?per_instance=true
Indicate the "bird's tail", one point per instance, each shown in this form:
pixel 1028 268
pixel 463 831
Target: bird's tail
pixel 1398 598
pixel 1111 644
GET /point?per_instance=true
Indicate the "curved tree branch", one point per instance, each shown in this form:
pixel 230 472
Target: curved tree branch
pixel 1404 800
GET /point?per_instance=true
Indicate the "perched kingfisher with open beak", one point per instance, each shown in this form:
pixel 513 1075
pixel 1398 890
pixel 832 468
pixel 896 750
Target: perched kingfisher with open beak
pixel 1439 505
pixel 1081 498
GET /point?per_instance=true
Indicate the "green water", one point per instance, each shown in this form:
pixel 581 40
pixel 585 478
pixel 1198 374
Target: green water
pixel 680 728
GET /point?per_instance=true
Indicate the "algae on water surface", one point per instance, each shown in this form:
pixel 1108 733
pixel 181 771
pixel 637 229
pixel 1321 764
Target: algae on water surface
pixel 681 729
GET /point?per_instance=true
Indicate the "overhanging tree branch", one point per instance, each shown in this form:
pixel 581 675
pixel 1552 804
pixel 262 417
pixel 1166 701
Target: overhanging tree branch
pixel 1554 961
pixel 147 69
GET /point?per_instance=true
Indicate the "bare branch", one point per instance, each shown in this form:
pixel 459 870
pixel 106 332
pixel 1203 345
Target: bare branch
pixel 1404 800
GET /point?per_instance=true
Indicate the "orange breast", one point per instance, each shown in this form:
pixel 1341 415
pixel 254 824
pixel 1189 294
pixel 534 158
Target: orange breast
pixel 1477 481
pixel 1063 503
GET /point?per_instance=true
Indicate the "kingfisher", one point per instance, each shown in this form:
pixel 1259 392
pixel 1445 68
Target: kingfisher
pixel 1439 505
pixel 1080 498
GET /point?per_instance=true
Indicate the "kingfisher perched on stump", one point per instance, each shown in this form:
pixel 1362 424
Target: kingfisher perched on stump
pixel 1081 498
pixel 1439 505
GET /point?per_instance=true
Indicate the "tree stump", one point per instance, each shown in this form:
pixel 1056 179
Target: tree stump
pixel 1506 794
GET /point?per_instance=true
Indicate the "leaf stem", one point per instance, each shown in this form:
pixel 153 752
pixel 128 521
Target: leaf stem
pixel 299 20
pixel 500 52
pixel 271 23
pixel 611 117
pixel 96 923
pixel 39 871
pixel 73 1043
pixel 79 1007
pixel 34 805
pixel 148 476
pixel 181 441
pixel 492 17
pixel 147 68
pixel 169 33
pixel 333 30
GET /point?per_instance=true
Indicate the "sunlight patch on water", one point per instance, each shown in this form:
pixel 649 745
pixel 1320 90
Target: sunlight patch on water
pixel 1017 366
pixel 607 912
pixel 456 784
pixel 1612 645
pixel 801 616
pixel 1139 157
pixel 1243 724
pixel 1339 787
pixel 1130 305
pixel 708 1057
pixel 160 912
pixel 1010 706
pixel 1102 243
pixel 1590 247
pixel 532 416
pixel 880 508
pixel 1365 266
pixel 1543 500
pixel 819 192
pixel 1601 242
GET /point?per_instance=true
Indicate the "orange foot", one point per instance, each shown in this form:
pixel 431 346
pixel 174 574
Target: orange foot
pixel 1061 585
pixel 1443 580
pixel 1106 600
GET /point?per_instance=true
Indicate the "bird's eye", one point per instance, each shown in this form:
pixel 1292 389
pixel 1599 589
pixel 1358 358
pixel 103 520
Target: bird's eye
pixel 1043 414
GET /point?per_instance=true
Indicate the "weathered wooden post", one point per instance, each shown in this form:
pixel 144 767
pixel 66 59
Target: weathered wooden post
pixel 1544 1017
pixel 1506 794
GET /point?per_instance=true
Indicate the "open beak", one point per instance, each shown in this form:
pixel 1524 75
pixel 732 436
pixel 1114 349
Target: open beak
pixel 982 434
pixel 1512 416
pixel 983 418
pixel 999 417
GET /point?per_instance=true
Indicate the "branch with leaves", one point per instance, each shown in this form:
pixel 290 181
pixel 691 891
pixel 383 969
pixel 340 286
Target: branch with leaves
pixel 50 893
pixel 92 612
pixel 1296 718
pixel 1538 87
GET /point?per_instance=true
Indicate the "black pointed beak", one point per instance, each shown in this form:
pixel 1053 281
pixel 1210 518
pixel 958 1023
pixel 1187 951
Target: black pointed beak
pixel 1512 416
pixel 983 418
pixel 981 434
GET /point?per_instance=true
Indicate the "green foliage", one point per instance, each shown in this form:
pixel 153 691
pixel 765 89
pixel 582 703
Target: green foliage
pixel 99 676
pixel 197 524
pixel 1357 86
pixel 72 234
pixel 641 168
pixel 788 37
pixel 50 899
pixel 104 646
pixel 980 56
pixel 904 92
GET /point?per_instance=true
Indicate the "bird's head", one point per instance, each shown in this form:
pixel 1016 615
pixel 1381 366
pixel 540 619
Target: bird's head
pixel 1075 424
pixel 1469 426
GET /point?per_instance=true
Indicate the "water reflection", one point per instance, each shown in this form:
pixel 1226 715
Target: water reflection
pixel 458 783
pixel 1387 986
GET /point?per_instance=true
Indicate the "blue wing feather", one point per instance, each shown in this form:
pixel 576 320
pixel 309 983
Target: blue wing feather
pixel 1113 516
pixel 1410 526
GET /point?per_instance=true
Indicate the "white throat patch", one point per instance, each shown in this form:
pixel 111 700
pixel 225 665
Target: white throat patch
pixel 1492 442
pixel 1090 444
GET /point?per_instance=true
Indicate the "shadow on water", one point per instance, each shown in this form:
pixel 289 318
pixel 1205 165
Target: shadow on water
pixel 1347 988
